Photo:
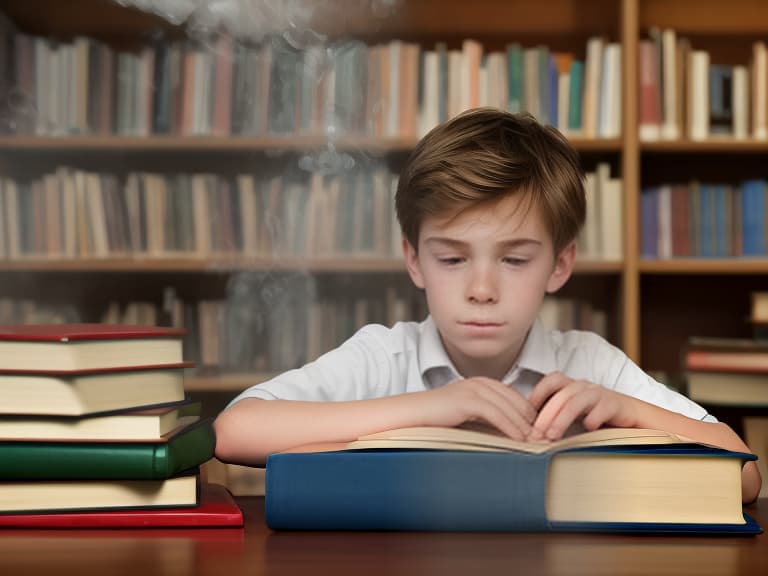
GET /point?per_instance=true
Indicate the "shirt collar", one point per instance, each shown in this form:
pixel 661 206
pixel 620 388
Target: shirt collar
pixel 537 354
pixel 432 353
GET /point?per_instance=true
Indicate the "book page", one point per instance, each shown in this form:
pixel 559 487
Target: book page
pixel 436 437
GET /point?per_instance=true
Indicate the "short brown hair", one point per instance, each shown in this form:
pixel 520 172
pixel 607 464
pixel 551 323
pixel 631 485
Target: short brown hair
pixel 483 155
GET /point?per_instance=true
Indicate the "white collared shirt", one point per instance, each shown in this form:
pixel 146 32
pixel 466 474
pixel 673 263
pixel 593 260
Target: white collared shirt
pixel 409 357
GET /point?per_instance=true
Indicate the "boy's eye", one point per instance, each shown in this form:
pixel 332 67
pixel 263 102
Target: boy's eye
pixel 451 260
pixel 514 261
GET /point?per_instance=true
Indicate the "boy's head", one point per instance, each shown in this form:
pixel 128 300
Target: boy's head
pixel 490 204
pixel 484 155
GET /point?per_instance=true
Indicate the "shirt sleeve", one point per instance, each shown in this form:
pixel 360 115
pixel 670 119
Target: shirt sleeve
pixel 356 370
pixel 623 375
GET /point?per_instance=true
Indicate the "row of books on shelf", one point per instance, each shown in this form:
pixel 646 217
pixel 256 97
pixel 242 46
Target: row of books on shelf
pixel 704 220
pixel 685 94
pixel 77 214
pixel 72 214
pixel 97 431
pixel 228 86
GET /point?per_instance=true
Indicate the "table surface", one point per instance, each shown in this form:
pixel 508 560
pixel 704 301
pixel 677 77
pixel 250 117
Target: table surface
pixel 257 550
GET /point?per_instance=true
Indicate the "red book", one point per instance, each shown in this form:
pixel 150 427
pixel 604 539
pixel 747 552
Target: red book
pixel 726 355
pixel 217 508
pixel 69 332
pixel 78 347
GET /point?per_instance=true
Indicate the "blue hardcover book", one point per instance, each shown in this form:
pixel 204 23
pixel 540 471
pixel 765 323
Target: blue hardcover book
pixel 442 479
pixel 647 224
pixel 707 220
pixel 753 214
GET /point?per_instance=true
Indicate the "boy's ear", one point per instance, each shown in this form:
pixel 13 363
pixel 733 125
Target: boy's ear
pixel 564 263
pixel 412 263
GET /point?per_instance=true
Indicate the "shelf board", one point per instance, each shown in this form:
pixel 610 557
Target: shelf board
pixel 237 143
pixel 225 382
pixel 362 264
pixel 709 145
pixel 598 267
pixel 705 266
pixel 200 143
pixel 209 264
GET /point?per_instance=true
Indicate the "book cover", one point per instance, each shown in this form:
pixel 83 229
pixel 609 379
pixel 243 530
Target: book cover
pixel 417 481
pixel 72 347
pixel 217 508
pixel 142 424
pixel 80 393
pixel 47 496
pixel 84 331
pixel 178 451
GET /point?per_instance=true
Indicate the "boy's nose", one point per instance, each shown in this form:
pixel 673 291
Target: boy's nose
pixel 482 287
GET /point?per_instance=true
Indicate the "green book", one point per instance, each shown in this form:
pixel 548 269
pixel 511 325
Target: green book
pixel 178 451
pixel 575 97
pixel 515 78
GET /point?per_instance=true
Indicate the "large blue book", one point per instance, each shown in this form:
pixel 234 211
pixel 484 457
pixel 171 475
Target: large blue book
pixel 443 479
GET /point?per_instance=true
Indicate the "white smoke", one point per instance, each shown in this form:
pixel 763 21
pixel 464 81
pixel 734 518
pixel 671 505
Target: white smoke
pixel 255 19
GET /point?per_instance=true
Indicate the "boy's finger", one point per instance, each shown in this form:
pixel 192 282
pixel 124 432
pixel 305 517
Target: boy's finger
pixel 499 420
pixel 514 400
pixel 546 387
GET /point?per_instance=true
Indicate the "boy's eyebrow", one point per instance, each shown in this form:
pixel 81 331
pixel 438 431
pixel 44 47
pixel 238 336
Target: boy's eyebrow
pixel 454 243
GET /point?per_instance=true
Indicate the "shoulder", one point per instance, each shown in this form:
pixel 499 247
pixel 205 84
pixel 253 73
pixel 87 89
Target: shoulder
pixel 586 355
pixel 577 342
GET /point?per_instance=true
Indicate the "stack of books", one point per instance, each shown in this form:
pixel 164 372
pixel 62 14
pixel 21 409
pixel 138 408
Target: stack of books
pixel 95 430
pixel 731 376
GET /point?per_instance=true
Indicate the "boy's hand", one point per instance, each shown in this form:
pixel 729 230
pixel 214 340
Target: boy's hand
pixel 561 401
pixel 480 400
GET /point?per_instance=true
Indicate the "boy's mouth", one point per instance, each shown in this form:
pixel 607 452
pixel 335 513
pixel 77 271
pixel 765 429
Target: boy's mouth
pixel 481 324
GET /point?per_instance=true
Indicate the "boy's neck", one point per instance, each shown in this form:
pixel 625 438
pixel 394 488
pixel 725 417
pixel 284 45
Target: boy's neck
pixel 495 368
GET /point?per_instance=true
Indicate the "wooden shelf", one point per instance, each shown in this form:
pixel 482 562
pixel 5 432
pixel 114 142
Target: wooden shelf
pixel 225 382
pixel 718 145
pixel 705 266
pixel 228 263
pixel 210 264
pixel 737 17
pixel 237 143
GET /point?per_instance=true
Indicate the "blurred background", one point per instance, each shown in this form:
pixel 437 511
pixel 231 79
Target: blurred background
pixel 229 166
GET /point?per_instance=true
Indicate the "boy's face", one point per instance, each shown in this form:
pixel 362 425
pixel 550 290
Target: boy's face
pixel 485 272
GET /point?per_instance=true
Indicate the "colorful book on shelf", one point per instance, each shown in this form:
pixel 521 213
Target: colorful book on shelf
pixel 444 479
pixel 78 347
pixel 143 424
pixel 20 496
pixel 727 355
pixel 88 392
pixel 217 509
pixel 175 452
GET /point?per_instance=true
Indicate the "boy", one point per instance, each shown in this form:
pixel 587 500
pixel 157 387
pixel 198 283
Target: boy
pixel 490 205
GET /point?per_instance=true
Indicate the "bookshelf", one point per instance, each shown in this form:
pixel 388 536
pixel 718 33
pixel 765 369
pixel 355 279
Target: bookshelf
pixel 649 312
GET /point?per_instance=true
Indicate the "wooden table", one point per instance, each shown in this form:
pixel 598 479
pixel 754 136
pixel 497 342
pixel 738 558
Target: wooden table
pixel 256 550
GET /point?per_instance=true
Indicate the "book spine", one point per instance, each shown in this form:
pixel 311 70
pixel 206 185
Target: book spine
pixel 403 490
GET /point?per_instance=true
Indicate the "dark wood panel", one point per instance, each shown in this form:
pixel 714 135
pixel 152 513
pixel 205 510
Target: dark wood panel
pixel 706 16
pixel 673 308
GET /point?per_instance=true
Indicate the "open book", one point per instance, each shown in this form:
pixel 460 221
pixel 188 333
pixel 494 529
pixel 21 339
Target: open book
pixel 433 478
pixel 443 438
